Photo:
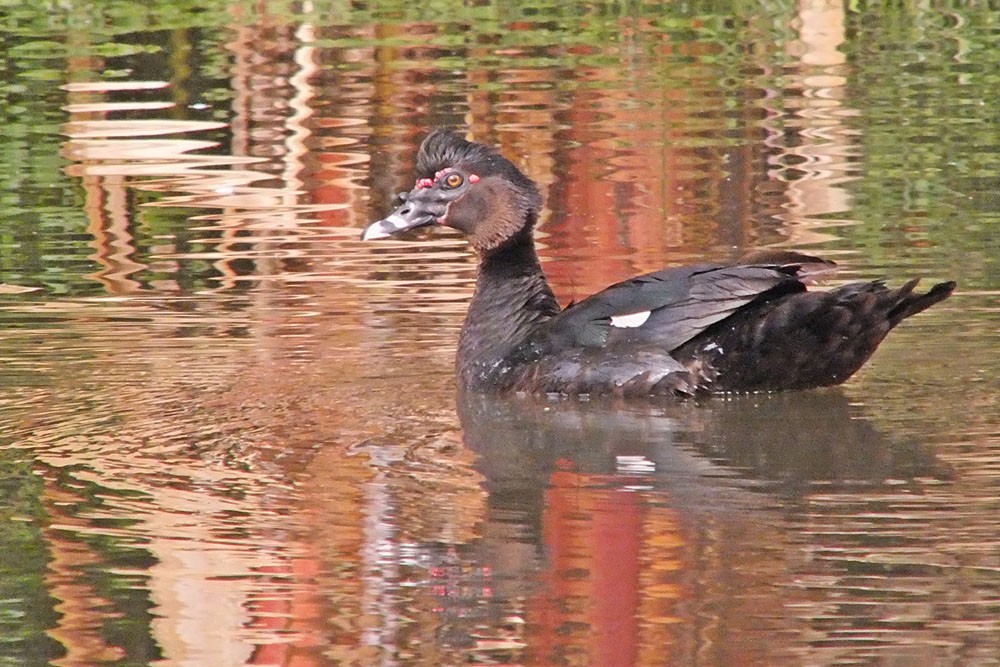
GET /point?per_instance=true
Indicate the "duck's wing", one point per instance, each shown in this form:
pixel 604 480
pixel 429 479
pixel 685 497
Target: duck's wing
pixel 669 307
pixel 810 267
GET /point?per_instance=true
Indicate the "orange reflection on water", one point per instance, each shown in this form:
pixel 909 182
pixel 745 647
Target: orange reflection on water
pixel 828 145
pixel 605 575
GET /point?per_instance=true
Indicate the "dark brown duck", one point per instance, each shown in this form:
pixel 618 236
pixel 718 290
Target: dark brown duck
pixel 707 328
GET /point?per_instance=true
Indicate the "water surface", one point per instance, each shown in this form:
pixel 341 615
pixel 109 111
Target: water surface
pixel 230 433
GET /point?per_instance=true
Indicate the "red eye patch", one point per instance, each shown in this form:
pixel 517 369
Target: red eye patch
pixel 428 182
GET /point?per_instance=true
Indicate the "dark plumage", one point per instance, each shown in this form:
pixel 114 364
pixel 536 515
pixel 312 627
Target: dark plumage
pixel 752 326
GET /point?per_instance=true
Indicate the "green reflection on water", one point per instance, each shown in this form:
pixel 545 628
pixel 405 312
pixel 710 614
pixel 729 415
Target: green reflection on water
pixel 931 150
pixel 26 609
pixel 919 78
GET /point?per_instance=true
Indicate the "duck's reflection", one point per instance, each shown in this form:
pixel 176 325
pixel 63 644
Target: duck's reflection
pixel 787 440
pixel 801 440
pixel 619 534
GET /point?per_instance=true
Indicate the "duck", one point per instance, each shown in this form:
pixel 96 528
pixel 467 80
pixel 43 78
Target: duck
pixel 703 329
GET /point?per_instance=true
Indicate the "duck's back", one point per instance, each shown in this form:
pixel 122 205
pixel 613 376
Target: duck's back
pixel 711 328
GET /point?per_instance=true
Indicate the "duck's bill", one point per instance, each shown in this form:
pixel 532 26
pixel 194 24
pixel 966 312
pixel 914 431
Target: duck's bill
pixel 408 216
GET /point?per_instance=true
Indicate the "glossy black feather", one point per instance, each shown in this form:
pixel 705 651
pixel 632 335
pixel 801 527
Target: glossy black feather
pixel 682 302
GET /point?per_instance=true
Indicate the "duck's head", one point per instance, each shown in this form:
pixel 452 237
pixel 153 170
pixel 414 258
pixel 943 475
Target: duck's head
pixel 469 187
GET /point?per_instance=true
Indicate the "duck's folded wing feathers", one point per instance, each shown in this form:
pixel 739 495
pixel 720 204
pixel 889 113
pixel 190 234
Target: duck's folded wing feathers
pixel 668 307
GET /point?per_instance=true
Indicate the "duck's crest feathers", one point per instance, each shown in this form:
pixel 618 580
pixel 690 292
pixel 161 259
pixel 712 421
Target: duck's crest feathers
pixel 444 148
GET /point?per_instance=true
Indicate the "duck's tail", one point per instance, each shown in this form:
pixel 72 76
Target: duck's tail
pixel 911 304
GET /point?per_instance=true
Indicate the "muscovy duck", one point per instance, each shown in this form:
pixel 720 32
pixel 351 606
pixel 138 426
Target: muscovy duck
pixel 707 328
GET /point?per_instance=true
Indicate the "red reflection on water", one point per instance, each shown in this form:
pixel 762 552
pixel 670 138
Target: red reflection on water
pixel 298 616
pixel 591 606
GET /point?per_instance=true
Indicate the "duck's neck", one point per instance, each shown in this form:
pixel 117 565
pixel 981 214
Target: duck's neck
pixel 512 299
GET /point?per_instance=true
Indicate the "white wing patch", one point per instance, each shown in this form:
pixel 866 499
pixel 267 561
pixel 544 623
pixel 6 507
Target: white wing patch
pixel 630 321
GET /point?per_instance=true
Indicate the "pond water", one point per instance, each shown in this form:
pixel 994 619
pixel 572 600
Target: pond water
pixel 229 430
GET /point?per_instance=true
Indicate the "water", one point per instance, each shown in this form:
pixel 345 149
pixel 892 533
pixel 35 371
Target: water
pixel 229 432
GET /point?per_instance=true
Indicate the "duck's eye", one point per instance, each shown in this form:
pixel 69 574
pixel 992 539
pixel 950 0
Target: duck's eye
pixel 453 180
